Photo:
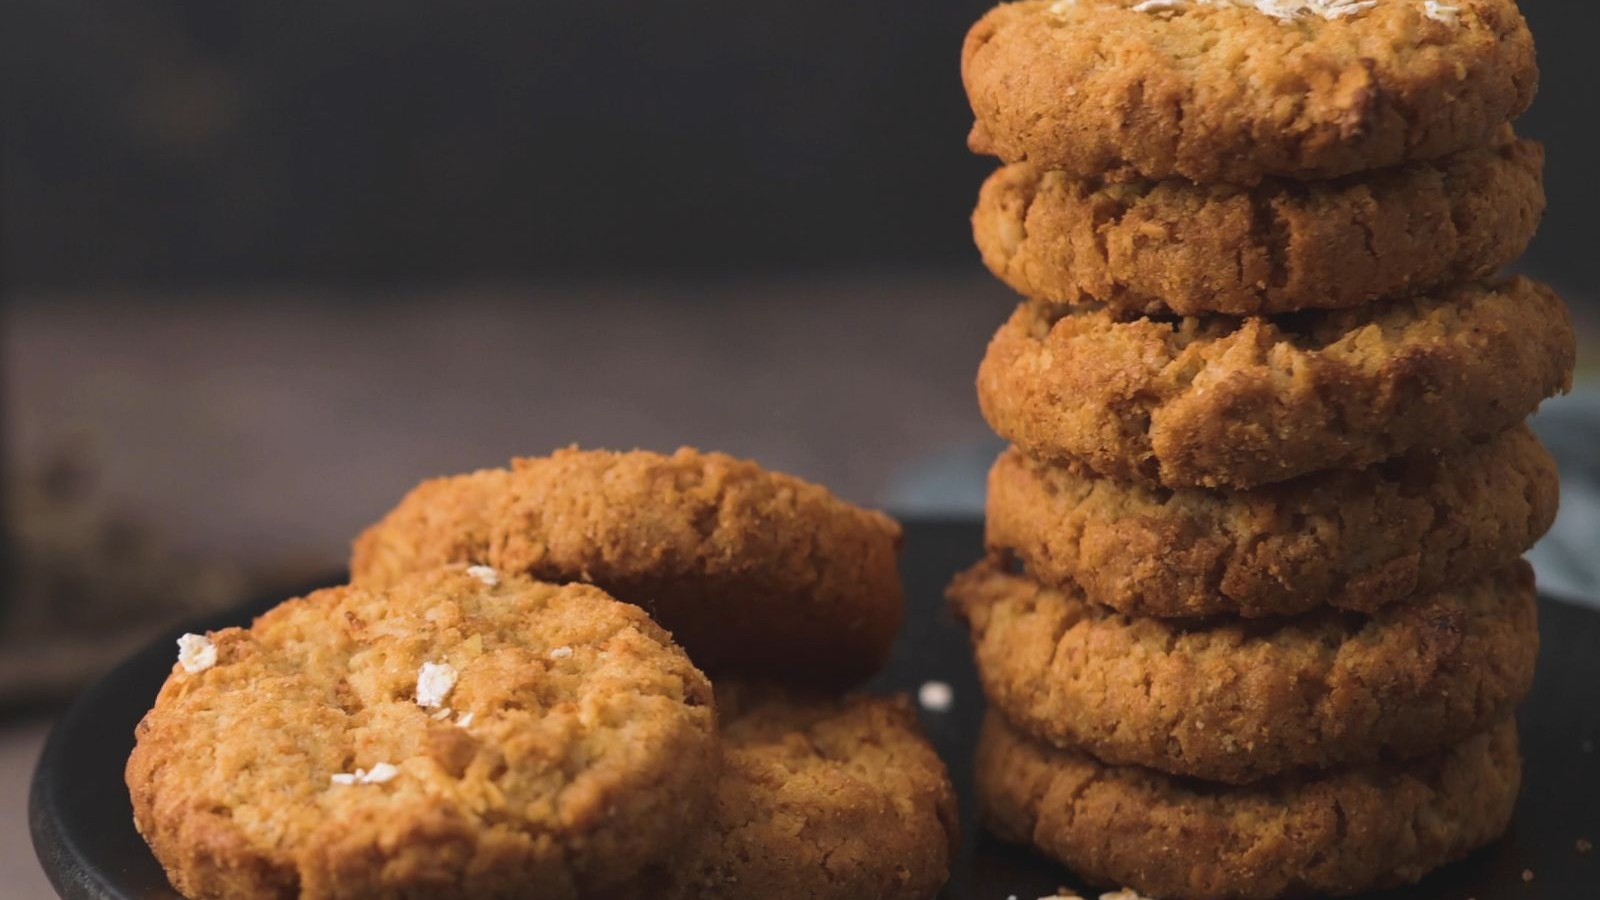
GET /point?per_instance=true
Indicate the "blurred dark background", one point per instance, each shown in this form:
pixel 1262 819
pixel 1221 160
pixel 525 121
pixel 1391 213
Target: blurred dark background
pixel 381 142
pixel 268 264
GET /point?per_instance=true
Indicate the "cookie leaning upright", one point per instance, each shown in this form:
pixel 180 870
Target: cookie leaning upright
pixel 454 734
pixel 755 573
pixel 1216 90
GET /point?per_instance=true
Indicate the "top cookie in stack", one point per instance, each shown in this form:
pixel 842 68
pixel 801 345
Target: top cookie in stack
pixel 1254 622
pixel 1241 90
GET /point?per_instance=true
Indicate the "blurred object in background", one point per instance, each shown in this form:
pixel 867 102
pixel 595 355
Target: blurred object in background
pixel 89 582
pixel 1568 559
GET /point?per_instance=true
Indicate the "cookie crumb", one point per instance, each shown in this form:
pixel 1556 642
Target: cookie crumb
pixel 1442 12
pixel 1527 874
pixel 1584 845
pixel 196 653
pixel 434 683
pixel 485 574
pixel 379 774
pixel 441 715
pixel 561 653
pixel 935 696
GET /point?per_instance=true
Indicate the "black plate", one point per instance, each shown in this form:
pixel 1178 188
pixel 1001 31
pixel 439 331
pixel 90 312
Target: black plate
pixel 83 829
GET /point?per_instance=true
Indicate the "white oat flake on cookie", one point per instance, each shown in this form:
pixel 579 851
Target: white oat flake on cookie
pixel 435 681
pixel 196 653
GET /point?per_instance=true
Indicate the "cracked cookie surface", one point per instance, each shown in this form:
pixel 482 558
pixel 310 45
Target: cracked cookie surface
pixel 1352 540
pixel 1217 93
pixel 1218 401
pixel 1174 247
pixel 557 737
pixel 819 800
pixel 1232 701
pixel 755 573
pixel 1340 833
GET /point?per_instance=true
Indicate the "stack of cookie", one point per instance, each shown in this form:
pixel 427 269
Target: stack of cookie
pixel 481 714
pixel 1254 621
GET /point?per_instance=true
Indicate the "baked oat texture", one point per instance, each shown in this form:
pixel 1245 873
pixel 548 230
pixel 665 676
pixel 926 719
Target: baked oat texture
pixel 1174 247
pixel 1352 540
pixel 1218 401
pixel 1218 93
pixel 819 800
pixel 1233 701
pixel 755 573
pixel 590 751
pixel 1338 834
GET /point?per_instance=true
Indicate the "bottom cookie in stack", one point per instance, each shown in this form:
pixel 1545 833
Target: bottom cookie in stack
pixel 1334 833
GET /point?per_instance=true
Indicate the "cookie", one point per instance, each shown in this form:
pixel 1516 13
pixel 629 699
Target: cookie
pixel 1224 91
pixel 1218 401
pixel 1234 701
pixel 819 799
pixel 1336 834
pixel 1175 247
pixel 458 733
pixel 1353 540
pixel 755 573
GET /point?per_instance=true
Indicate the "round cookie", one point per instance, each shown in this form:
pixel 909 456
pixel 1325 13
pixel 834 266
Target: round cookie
pixel 755 573
pixel 447 735
pixel 1175 247
pixel 1217 401
pixel 819 799
pixel 1222 91
pixel 1352 540
pixel 1337 834
pixel 1234 701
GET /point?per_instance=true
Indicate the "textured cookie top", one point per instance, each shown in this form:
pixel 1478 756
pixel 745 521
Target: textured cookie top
pixel 1352 540
pixel 1233 701
pixel 756 573
pixel 462 730
pixel 1165 247
pixel 1219 401
pixel 820 800
pixel 1223 91
pixel 1333 835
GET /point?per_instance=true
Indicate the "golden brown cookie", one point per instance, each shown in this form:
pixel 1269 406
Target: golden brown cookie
pixel 1222 91
pixel 1235 701
pixel 755 573
pixel 461 734
pixel 819 799
pixel 1353 540
pixel 1175 247
pixel 1336 834
pixel 1218 401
